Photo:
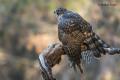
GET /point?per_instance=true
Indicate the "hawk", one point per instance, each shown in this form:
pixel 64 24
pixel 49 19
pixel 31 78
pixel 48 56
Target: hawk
pixel 77 35
pixel 79 41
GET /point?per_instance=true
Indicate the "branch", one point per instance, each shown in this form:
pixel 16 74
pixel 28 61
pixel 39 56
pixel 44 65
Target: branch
pixel 48 58
pixel 52 56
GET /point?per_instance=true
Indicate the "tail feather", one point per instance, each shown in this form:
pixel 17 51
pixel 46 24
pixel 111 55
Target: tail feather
pixel 97 45
pixel 99 42
pixel 112 51
pixel 103 47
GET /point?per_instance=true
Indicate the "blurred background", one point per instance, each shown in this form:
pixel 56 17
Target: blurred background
pixel 28 26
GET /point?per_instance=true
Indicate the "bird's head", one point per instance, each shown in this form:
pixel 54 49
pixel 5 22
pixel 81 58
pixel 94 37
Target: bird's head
pixel 60 11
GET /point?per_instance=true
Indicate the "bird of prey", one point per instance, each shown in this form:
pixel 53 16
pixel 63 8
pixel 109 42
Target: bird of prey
pixel 77 35
pixel 78 41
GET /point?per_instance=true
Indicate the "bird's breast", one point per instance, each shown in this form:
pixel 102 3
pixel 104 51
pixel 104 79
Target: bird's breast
pixel 73 38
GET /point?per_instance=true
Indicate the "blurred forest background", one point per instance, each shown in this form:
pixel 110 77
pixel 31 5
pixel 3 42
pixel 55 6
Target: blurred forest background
pixel 28 26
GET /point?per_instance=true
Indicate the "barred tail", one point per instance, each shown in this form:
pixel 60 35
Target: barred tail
pixel 104 47
pixel 96 45
pixel 99 47
pixel 112 51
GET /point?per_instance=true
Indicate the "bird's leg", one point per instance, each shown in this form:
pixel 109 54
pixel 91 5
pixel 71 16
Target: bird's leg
pixel 112 51
pixel 48 58
pixel 82 76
